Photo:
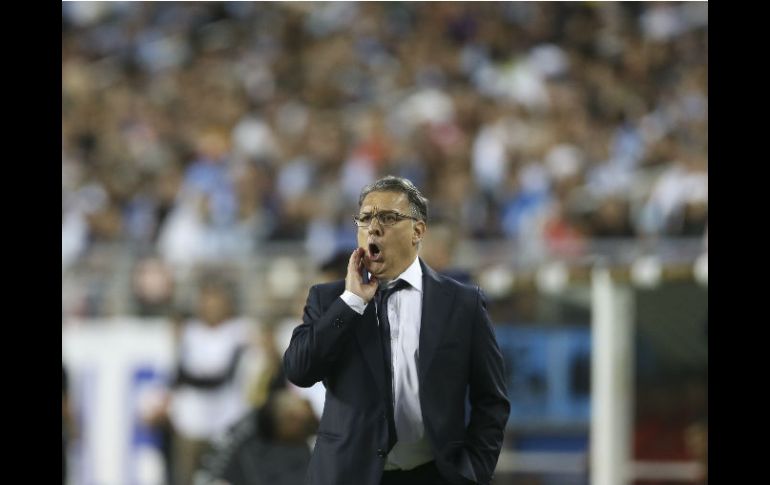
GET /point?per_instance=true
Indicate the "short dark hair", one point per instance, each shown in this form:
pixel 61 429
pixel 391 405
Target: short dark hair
pixel 390 183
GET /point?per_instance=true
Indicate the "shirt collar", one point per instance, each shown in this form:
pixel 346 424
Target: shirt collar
pixel 412 275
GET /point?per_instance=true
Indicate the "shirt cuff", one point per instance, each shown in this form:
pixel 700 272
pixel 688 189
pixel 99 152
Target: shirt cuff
pixel 354 301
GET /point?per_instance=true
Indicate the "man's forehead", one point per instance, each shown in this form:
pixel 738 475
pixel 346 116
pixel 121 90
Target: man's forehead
pixel 377 201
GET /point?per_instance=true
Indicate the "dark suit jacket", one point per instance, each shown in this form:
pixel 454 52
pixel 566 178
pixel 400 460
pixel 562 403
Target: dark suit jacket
pixel 458 355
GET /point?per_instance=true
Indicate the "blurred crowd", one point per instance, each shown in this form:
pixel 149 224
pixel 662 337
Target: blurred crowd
pixel 200 131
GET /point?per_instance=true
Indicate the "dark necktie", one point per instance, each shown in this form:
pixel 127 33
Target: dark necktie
pixel 381 298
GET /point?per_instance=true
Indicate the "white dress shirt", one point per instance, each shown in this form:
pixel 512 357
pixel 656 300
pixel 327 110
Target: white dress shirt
pixel 404 314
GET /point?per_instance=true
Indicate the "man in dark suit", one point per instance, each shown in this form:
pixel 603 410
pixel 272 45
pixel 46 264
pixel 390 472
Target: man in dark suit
pixel 399 347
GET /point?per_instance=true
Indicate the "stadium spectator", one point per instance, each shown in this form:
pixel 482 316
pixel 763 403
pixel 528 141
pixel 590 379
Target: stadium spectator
pixel 267 447
pixel 219 362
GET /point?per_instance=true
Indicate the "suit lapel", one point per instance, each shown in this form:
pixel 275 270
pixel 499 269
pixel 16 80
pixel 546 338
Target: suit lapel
pixel 436 308
pixel 368 336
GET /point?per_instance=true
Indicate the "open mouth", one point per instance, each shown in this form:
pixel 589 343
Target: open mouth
pixel 375 253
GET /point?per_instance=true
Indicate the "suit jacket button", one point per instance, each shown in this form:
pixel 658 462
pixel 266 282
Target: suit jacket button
pixel 381 453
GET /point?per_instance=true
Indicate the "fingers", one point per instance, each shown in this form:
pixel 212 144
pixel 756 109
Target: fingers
pixel 353 261
pixel 355 265
pixel 354 281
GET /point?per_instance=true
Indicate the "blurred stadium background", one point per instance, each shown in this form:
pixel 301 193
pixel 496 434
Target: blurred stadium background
pixel 563 147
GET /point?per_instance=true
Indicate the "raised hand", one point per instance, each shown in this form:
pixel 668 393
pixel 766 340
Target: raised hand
pixel 354 280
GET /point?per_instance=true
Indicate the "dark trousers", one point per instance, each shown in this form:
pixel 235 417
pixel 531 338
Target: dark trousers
pixel 426 474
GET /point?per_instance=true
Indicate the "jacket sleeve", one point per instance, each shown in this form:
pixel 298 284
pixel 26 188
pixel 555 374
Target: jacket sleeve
pixel 487 394
pixel 318 342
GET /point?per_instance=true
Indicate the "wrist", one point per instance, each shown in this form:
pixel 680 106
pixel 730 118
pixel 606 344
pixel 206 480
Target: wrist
pixel 354 301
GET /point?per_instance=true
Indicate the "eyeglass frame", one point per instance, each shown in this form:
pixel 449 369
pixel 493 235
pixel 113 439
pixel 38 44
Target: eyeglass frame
pixel 376 215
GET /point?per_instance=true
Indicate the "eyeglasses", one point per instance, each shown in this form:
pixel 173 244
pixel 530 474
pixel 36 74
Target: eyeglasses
pixel 385 218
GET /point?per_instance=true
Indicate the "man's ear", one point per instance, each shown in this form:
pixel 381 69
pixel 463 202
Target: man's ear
pixel 419 232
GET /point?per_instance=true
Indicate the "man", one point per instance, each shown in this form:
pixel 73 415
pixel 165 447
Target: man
pixel 268 446
pixel 395 406
pixel 211 383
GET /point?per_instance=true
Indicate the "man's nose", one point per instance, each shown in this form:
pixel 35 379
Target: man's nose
pixel 375 228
